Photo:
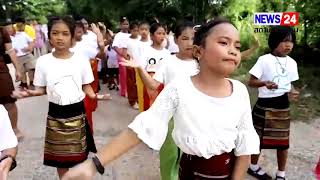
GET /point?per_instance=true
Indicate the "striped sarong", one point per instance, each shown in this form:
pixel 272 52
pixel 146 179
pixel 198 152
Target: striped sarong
pixel 68 138
pixel 271 119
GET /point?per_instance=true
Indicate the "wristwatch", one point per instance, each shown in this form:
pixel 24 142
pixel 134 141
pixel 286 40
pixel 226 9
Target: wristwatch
pixel 98 164
pixel 14 162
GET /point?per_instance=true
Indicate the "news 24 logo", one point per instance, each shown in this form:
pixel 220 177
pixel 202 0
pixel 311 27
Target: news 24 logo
pixel 277 18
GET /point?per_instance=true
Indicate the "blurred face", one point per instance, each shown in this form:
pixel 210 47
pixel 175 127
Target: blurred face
pixel 10 29
pixel 134 32
pixel 285 47
pixel 20 26
pixel 158 36
pixel 221 52
pixel 85 24
pixel 144 31
pixel 60 36
pixel 79 31
pixel 124 26
pixel 185 42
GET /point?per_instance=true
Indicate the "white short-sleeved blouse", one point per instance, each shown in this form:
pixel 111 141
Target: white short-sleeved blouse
pixel 203 125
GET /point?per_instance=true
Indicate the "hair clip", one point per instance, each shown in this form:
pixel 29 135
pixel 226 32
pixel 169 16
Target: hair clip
pixel 196 27
pixel 124 18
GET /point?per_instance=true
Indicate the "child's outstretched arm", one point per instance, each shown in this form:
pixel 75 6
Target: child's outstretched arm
pixel 87 89
pixel 247 53
pixel 145 77
pixel 150 126
pixel 118 146
pixel 38 91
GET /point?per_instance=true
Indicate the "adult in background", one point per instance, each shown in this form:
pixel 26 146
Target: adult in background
pixel 7 52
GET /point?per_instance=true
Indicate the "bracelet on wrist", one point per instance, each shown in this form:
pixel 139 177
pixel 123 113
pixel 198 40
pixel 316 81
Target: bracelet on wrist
pixel 98 164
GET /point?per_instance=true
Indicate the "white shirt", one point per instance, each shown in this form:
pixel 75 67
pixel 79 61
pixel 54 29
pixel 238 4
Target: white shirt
pixel 203 125
pixel 63 78
pixel 141 47
pixel 173 47
pixel 280 70
pixel 90 39
pixel 19 41
pixel 133 47
pixel 120 40
pixel 112 58
pixel 86 50
pixel 174 67
pixel 151 57
pixel 7 137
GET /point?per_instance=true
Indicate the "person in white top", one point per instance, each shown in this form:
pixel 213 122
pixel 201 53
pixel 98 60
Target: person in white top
pixel 181 64
pixel 212 115
pixel 89 37
pixel 150 59
pixel 8 144
pixel 145 41
pixel 24 45
pixel 273 75
pixel 65 77
pixel 119 43
pixel 132 48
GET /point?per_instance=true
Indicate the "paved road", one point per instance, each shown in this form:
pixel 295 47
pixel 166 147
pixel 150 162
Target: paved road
pixel 141 163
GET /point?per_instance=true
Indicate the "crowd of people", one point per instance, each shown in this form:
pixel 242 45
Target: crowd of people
pixel 198 117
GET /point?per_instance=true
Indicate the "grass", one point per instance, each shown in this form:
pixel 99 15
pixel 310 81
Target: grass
pixel 308 106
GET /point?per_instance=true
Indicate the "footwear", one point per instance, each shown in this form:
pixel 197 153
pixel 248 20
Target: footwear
pixel 255 174
pixel 280 178
pixel 135 106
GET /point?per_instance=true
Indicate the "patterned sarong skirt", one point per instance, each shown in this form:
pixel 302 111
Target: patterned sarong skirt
pixel 271 119
pixel 68 138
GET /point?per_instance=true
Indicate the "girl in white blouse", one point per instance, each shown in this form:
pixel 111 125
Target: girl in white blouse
pixel 212 115
pixel 181 64
pixel 65 77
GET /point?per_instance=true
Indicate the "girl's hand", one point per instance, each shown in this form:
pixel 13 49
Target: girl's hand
pixel 294 95
pixel 83 171
pixel 271 85
pixel 94 28
pixel 4 168
pixel 103 97
pixel 19 94
pixel 129 63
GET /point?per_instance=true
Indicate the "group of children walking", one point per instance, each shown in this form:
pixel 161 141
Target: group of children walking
pixel 191 110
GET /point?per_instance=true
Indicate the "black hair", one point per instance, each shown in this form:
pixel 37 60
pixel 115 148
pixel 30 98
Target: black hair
pixel 79 24
pixel 155 26
pixel 202 33
pixel 278 34
pixel 181 27
pixel 133 25
pixel 144 23
pixel 65 19
pixel 123 19
pixel 20 20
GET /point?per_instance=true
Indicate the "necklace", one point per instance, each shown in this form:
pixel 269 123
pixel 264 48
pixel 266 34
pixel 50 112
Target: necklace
pixel 283 67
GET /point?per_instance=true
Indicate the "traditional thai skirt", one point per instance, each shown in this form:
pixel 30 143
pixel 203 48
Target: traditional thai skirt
pixel 271 119
pixel 198 168
pixel 68 138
